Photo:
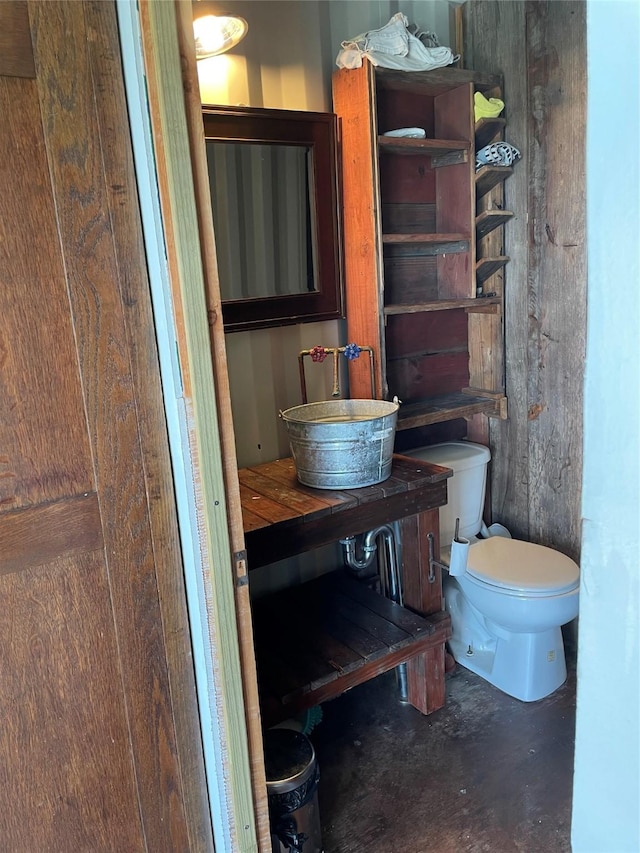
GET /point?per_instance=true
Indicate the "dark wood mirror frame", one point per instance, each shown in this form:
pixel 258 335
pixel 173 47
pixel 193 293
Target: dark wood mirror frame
pixel 316 131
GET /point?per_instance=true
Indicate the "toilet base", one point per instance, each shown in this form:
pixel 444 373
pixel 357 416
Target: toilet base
pixel 525 666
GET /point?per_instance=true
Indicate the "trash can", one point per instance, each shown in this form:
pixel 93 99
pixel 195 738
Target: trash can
pixel 292 786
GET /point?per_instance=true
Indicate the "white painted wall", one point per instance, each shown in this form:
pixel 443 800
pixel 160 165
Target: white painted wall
pixel 606 806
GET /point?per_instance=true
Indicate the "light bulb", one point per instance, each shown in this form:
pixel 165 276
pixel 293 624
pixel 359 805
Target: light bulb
pixel 215 34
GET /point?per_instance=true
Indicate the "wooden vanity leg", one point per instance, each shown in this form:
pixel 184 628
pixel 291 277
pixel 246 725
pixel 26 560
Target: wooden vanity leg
pixel 425 673
pixel 425 680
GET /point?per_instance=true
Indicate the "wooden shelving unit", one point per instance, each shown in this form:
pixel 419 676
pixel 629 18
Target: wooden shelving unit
pixel 423 242
pixel 317 639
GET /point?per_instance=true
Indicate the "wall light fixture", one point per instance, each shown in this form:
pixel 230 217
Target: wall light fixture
pixel 216 33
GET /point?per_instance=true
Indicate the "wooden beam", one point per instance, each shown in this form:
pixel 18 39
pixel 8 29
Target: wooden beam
pixel 193 109
pixel 161 47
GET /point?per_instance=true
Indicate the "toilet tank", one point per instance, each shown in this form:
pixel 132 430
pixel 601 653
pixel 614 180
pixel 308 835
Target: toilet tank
pixel 465 489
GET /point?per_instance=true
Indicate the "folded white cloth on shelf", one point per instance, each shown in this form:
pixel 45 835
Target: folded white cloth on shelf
pixel 395 46
pixel 408 132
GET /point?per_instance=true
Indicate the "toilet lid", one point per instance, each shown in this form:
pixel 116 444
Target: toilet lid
pixel 522 566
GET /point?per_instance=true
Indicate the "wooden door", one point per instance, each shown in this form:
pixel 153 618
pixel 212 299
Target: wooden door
pixel 99 742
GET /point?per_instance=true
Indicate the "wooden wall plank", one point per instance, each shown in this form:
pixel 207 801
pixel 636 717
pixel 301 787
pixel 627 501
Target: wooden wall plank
pixel 556 33
pixel 418 378
pixel 455 193
pixel 400 111
pixel 138 318
pixel 539 47
pixel 41 459
pixel 86 693
pixel 70 104
pixel 408 180
pixel 69 739
pixel 16 52
pixel 409 281
pixel 43 533
pixel 485 351
pixel 437 331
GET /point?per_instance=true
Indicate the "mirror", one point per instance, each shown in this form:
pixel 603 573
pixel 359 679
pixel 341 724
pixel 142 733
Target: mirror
pixel 273 182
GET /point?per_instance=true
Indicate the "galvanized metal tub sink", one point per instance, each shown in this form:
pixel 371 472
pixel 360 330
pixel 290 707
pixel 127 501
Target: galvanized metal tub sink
pixel 342 444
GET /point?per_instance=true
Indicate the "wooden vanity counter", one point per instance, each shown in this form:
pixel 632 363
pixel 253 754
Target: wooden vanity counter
pixel 322 637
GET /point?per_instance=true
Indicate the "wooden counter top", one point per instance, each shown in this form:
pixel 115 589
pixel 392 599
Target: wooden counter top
pixel 282 517
pixel 325 636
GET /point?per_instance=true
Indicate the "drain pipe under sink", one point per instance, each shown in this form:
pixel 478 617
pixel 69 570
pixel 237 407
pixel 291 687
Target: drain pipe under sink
pixel 393 579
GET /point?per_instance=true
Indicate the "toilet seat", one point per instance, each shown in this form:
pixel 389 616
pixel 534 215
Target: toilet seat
pixel 523 567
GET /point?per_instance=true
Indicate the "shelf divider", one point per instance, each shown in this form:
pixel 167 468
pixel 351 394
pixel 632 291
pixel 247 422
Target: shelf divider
pixel 487 177
pixel 486 267
pixel 488 220
pixel 487 129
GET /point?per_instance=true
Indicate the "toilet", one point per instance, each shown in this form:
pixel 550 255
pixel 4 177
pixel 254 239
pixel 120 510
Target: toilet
pixel 508 607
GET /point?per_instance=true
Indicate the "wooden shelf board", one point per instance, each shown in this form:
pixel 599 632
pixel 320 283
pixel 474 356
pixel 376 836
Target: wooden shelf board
pixel 489 177
pixel 345 633
pixel 487 129
pixel 488 220
pixel 446 408
pixel 441 305
pixel 283 518
pixel 435 81
pixel 486 267
pixel 425 238
pixel 431 147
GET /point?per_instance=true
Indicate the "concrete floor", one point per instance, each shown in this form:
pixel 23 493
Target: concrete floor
pixel 485 773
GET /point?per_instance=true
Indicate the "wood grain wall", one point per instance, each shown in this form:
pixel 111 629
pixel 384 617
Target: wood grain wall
pixel 100 743
pixel 540 49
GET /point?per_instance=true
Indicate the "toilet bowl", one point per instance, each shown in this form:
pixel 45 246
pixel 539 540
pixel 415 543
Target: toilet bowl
pixel 508 607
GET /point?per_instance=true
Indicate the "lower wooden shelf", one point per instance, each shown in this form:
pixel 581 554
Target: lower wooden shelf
pixel 318 639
